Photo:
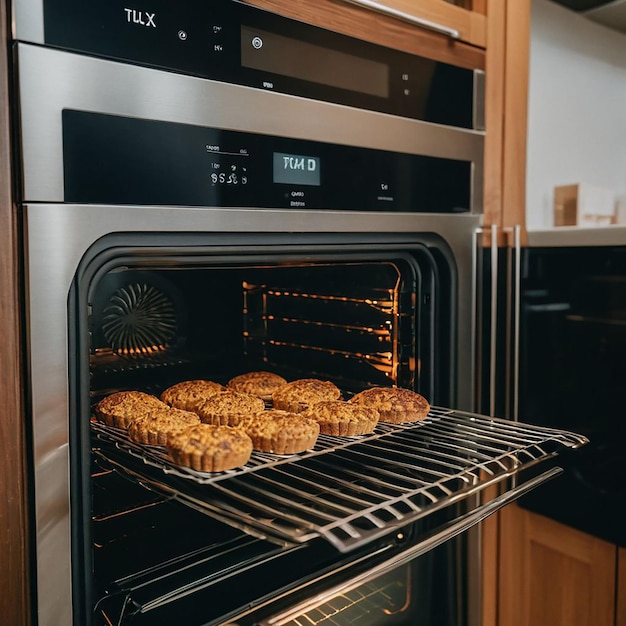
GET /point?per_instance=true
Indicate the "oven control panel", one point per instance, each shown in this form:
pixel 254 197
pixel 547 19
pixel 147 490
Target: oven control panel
pixel 120 160
pixel 236 43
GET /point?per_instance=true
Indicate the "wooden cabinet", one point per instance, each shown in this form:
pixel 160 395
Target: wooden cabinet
pixel 621 588
pixel 357 21
pixel 14 561
pixel 467 20
pixel 554 575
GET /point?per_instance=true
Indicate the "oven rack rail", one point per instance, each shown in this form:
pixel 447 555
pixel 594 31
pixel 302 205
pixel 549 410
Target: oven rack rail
pixel 350 490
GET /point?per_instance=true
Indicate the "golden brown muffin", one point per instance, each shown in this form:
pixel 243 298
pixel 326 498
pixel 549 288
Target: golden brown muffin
pixel 189 394
pixel 261 384
pixel 345 419
pixel 120 408
pixel 302 394
pixel 228 408
pixel 156 427
pixel 281 432
pixel 394 404
pixel 208 448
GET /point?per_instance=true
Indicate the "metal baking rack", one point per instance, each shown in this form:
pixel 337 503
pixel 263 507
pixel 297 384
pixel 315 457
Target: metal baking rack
pixel 349 490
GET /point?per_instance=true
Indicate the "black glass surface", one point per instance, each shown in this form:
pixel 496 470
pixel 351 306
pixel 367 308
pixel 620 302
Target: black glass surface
pixel 117 160
pixel 235 43
pixel 573 368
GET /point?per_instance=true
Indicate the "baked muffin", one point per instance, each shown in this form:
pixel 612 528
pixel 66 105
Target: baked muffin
pixel 394 404
pixel 189 394
pixel 208 448
pixel 281 432
pixel 156 427
pixel 228 408
pixel 261 384
pixel 120 408
pixel 300 395
pixel 345 419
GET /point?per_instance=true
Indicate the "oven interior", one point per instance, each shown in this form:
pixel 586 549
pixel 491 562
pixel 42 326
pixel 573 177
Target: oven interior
pixel 354 320
pixel 152 541
pixel 358 318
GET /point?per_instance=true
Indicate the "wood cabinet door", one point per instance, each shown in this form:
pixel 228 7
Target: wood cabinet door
pixel 362 22
pixel 553 575
pixel 621 588
pixel 467 19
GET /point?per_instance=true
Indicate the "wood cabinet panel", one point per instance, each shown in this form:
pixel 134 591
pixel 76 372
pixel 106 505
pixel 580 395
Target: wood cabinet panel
pixel 553 574
pixel 470 24
pixel 14 587
pixel 506 106
pixel 621 588
pixel 371 26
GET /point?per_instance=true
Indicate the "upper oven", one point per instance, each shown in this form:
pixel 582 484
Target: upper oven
pixel 208 190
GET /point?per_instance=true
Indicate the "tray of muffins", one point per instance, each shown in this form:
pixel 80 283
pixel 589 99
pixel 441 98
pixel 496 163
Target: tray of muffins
pixel 295 460
pixel 206 431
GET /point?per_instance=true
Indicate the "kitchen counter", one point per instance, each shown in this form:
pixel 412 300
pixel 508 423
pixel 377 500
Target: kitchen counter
pixel 572 236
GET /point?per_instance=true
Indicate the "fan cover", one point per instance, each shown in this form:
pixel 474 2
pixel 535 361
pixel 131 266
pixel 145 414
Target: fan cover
pixel 139 319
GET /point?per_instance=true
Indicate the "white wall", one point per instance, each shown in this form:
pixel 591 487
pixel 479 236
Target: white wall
pixel 577 108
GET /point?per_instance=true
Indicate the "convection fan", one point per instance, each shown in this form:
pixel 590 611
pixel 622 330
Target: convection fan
pixel 138 315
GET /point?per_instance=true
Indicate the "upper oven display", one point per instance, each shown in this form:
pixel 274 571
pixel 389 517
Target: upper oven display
pixel 236 43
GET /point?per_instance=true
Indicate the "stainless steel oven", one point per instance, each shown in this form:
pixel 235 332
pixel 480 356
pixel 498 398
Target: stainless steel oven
pixel 199 199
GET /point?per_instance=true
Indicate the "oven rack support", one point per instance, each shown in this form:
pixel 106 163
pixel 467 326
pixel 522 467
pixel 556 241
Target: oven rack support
pixel 351 491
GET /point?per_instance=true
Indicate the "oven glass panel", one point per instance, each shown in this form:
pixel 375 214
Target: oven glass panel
pixel 573 370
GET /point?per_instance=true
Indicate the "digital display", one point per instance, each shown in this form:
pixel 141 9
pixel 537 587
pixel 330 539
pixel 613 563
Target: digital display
pixel 262 50
pixel 296 169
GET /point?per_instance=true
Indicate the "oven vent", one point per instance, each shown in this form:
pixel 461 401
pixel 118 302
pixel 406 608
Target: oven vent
pixel 350 491
pixel 139 319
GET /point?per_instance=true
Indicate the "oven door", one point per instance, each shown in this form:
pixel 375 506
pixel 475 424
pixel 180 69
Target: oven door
pixel 60 419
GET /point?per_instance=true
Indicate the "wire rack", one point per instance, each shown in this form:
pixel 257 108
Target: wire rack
pixel 350 490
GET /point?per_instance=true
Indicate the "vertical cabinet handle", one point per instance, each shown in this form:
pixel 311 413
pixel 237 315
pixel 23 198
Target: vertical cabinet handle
pixel 406 17
pixel 512 317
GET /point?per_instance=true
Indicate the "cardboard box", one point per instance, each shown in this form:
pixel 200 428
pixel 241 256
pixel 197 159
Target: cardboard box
pixel 583 205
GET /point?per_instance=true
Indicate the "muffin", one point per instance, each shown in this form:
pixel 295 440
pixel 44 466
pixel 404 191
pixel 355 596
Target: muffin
pixel 208 448
pixel 302 394
pixel 345 419
pixel 394 404
pixel 120 408
pixel 155 428
pixel 228 408
pixel 261 384
pixel 281 432
pixel 189 394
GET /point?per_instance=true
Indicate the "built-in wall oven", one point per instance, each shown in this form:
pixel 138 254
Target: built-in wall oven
pixel 208 189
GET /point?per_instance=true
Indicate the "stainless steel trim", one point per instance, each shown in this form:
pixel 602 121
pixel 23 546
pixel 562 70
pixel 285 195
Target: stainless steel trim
pixel 516 320
pixel 453 33
pixel 479 100
pixel 456 528
pixel 477 313
pixel 28 20
pixel 493 334
pixel 508 330
pixel 52 80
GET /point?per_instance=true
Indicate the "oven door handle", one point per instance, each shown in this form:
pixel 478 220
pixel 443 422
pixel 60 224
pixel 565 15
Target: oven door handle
pixel 458 526
pixel 406 17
